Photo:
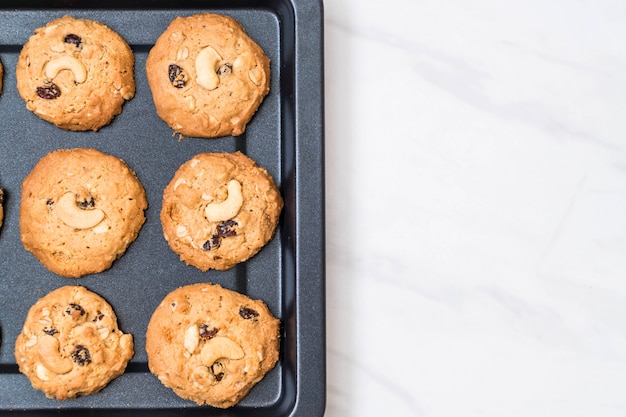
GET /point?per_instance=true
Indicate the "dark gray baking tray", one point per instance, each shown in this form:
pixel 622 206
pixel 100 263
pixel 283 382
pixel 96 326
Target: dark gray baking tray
pixel 285 136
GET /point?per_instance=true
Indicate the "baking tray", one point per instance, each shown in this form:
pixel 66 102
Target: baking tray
pixel 285 136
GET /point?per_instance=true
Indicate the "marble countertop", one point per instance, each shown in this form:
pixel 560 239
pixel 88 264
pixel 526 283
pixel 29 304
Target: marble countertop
pixel 476 207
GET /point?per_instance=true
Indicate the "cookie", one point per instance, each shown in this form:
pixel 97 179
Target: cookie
pixel 79 210
pixel 211 345
pixel 71 345
pixel 207 76
pixel 76 73
pixel 1 206
pixel 1 76
pixel 219 209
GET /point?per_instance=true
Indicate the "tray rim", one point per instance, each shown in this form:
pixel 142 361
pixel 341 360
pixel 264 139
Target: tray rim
pixel 310 298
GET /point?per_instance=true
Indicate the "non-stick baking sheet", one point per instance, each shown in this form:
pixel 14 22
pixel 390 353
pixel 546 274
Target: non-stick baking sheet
pixel 285 136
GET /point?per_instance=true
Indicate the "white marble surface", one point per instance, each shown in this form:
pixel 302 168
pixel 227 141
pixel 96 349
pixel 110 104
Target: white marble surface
pixel 476 207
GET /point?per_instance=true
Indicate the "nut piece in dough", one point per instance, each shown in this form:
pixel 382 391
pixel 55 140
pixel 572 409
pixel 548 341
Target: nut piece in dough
pixel 227 209
pixel 74 216
pixel 69 63
pixel 206 67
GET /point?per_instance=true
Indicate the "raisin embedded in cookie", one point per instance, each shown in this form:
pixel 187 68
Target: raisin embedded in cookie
pixel 207 76
pixel 76 73
pixel 220 209
pixel 71 345
pixel 80 209
pixel 211 345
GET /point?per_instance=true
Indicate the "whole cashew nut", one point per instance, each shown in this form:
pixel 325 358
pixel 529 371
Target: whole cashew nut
pixel 220 347
pixel 53 67
pixel 227 209
pixel 74 216
pixel 206 65
pixel 50 357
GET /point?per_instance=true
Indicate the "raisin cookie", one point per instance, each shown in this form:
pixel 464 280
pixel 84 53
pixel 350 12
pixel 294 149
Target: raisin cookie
pixel 1 206
pixel 207 76
pixel 79 210
pixel 211 345
pixel 220 209
pixel 71 345
pixel 76 73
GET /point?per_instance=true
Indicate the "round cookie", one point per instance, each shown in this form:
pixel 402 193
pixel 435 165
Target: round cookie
pixel 219 209
pixel 71 345
pixel 76 73
pixel 211 345
pixel 207 76
pixel 1 76
pixel 79 210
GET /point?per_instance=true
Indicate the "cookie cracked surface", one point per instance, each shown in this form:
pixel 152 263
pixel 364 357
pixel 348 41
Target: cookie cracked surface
pixel 71 345
pixel 207 76
pixel 76 73
pixel 220 209
pixel 79 210
pixel 211 345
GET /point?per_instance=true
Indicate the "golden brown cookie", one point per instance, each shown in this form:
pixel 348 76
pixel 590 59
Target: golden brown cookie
pixel 76 73
pixel 220 209
pixel 80 209
pixel 207 76
pixel 1 206
pixel 71 345
pixel 211 345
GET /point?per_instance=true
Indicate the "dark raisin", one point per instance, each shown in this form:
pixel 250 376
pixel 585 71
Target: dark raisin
pixel 74 309
pixel 218 370
pixel 224 229
pixel 248 313
pixel 81 355
pixel 50 331
pixel 177 76
pixel 73 39
pixel 87 203
pixel 206 332
pixel 225 69
pixel 212 243
pixel 99 316
pixel 49 91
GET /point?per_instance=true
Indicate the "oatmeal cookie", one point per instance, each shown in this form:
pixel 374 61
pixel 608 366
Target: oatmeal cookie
pixel 211 345
pixel 76 73
pixel 71 345
pixel 220 209
pixel 79 210
pixel 207 76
